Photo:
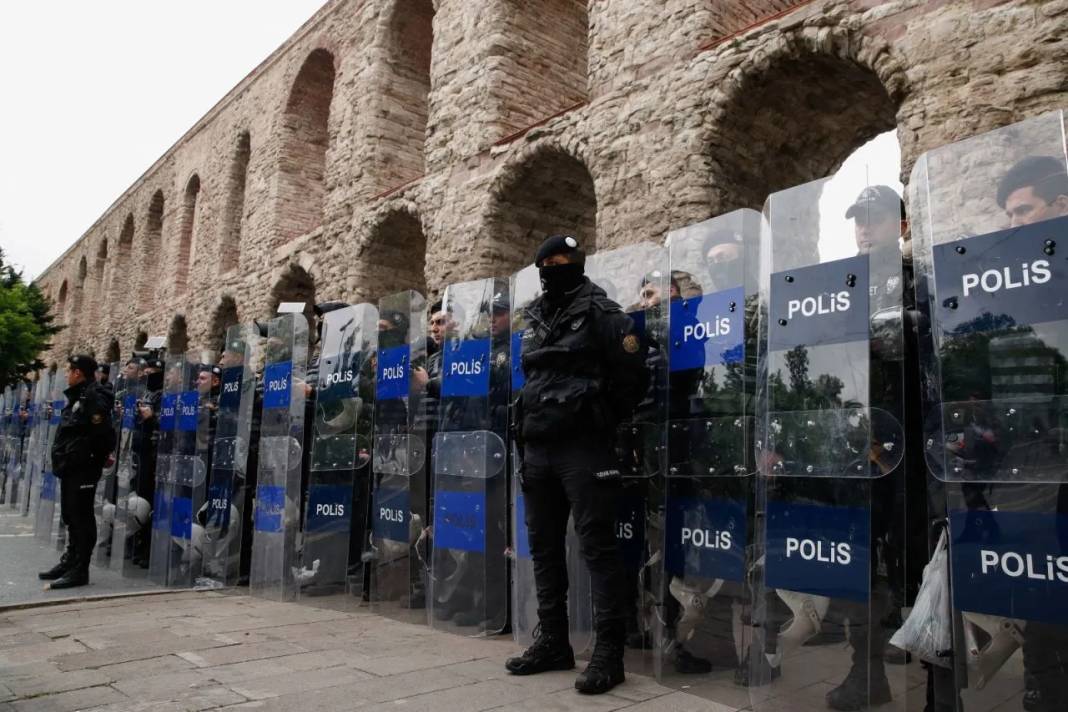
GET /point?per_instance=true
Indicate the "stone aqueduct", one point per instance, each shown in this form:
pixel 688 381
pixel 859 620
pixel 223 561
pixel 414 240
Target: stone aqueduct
pixel 391 144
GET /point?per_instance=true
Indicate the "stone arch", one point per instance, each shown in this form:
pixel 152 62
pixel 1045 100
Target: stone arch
pixel 224 316
pixel 113 354
pixel 119 276
pixel 305 140
pixel 187 232
pixel 233 218
pixel 152 249
pixel 400 131
pixel 547 190
pixel 796 109
pixel 140 340
pixel 394 256
pixel 79 287
pixel 295 284
pixel 178 335
pixel 61 301
pixel 96 296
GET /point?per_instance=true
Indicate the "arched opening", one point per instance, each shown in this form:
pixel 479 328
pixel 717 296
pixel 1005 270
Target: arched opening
pixel 114 353
pixel 120 277
pixel 795 120
pixel 551 192
pixel 305 138
pixel 79 288
pixel 395 258
pixel 141 340
pixel 187 235
pixel 295 285
pixel 177 335
pixel 230 247
pixel 150 265
pixel 224 316
pixel 401 131
pixel 543 72
pixel 61 300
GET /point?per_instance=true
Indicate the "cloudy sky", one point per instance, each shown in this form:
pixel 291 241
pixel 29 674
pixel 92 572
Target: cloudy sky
pixel 94 92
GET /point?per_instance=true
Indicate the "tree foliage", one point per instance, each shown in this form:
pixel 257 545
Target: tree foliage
pixel 26 325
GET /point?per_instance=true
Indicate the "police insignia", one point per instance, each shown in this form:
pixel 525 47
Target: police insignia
pixel 97 419
pixel 501 358
pixel 630 343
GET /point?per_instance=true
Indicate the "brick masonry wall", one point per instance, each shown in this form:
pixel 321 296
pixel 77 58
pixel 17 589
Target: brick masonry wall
pixel 368 166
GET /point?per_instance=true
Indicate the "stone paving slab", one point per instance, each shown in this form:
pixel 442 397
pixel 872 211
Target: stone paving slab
pixel 194 651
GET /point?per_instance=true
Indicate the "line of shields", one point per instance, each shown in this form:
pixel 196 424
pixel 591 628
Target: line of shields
pixel 837 397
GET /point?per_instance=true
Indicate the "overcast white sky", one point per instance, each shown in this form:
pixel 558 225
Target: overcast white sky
pixel 91 93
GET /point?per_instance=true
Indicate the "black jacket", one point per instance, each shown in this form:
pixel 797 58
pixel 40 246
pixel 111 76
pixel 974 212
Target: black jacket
pixel 584 365
pixel 85 435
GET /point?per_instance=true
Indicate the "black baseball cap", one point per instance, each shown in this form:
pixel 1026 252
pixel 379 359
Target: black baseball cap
pixel 877 197
pixel 559 245
pixel 84 363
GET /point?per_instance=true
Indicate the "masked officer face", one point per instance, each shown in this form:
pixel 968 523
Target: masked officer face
pixel 1024 207
pixel 876 228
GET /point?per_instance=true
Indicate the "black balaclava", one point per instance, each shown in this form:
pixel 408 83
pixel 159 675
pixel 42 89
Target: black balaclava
pixel 558 281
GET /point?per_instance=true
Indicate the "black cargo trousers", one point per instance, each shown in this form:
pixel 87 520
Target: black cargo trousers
pixel 77 491
pixel 579 478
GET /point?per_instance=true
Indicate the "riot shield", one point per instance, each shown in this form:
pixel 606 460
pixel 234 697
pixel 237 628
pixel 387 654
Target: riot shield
pixel 709 488
pixel 987 233
pixel 830 450
pixel 276 519
pixel 16 444
pixel 524 287
pixel 36 425
pixel 175 375
pixel 190 461
pixel 104 498
pixel 47 492
pixel 469 570
pixel 636 278
pixel 132 513
pixel 339 485
pixel 397 553
pixel 6 426
pixel 57 400
pixel 223 515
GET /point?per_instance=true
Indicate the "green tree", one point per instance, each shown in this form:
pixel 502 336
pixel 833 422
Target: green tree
pixel 26 325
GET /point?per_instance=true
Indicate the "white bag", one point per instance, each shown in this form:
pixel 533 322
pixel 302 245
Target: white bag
pixel 928 630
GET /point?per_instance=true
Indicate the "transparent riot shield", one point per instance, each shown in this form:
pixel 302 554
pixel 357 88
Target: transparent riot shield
pixel 190 461
pixel 469 570
pixel 636 278
pixel 16 445
pixel 221 519
pixel 131 516
pixel 57 400
pixel 36 425
pixel 339 486
pixel 989 235
pixel 47 493
pixel 703 638
pixel 7 397
pixel 175 375
pixel 830 445
pixel 397 554
pixel 524 288
pixel 104 498
pixel 276 519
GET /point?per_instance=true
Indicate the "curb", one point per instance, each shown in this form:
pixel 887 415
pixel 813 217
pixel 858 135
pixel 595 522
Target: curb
pixel 7 607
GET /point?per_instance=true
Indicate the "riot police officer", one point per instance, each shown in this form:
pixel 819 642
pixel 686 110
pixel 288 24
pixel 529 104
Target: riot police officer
pixel 585 372
pixel 83 441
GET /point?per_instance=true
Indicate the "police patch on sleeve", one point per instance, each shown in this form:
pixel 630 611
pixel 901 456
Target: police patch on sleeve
pixel 630 343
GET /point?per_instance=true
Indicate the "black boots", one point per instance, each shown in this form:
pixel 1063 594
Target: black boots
pixel 605 670
pixel 66 562
pixel 551 651
pixel 76 576
pixel 861 690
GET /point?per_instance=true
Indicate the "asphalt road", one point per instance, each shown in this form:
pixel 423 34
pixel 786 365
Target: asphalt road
pixel 22 555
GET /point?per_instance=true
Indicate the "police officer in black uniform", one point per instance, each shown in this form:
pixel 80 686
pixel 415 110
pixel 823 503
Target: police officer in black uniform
pixel 84 439
pixel 585 373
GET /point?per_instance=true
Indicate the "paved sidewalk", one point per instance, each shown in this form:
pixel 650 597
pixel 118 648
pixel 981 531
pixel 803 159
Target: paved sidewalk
pixel 216 650
pixel 22 555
